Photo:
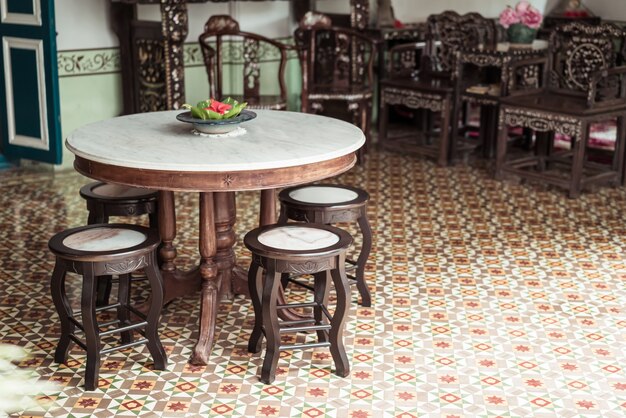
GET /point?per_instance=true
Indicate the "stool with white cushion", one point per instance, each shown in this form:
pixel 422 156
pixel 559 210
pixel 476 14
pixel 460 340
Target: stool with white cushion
pixel 319 250
pixel 105 200
pixel 100 250
pixel 329 204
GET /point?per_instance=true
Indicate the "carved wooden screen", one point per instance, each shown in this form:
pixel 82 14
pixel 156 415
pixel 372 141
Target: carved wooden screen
pixel 578 51
pixel 149 93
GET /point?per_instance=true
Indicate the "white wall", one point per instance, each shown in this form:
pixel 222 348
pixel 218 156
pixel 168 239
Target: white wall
pixel 406 12
pixel 85 24
pixel 272 19
pixel 608 9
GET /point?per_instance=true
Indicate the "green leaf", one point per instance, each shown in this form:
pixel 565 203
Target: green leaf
pixel 197 113
pixel 204 103
pixel 211 115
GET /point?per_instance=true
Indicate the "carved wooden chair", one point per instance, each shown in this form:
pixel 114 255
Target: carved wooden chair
pixel 218 49
pixel 337 67
pixel 429 84
pixel 585 85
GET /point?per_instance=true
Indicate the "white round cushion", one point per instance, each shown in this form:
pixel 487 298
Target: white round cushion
pixel 323 194
pixel 298 238
pixel 104 239
pixel 115 190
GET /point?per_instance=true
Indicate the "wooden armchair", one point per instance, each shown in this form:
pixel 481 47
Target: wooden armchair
pixel 337 66
pixel 429 85
pixel 217 48
pixel 585 84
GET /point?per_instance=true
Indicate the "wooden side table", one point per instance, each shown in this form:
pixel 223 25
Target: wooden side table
pixel 484 75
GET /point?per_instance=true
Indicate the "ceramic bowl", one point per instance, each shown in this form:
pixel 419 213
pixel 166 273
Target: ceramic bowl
pixel 216 126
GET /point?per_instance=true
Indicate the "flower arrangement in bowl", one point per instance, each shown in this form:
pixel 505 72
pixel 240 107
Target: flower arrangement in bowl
pixel 521 22
pixel 214 117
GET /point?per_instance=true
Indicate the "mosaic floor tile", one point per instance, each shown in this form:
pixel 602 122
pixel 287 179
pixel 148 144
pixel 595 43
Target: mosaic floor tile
pixel 490 299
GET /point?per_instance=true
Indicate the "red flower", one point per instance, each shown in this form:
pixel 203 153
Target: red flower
pixel 218 107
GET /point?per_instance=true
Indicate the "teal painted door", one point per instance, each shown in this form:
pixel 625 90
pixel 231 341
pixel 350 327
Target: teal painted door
pixel 29 87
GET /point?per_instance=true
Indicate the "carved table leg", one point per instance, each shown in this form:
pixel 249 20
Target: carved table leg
pixel 167 229
pixel 267 214
pixel 175 282
pixel 210 281
pixel 225 216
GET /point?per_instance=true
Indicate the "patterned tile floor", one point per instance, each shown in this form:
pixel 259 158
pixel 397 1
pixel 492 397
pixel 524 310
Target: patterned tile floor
pixel 491 300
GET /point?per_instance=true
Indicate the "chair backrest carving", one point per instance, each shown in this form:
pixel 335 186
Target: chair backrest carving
pixel 578 51
pixel 333 57
pixel 222 42
pixel 448 32
pixel 404 60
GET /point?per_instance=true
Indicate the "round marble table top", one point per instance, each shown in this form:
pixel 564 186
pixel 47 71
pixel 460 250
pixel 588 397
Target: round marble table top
pixel 157 141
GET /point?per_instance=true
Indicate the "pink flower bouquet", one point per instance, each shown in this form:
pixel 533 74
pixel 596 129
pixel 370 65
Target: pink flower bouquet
pixel 521 22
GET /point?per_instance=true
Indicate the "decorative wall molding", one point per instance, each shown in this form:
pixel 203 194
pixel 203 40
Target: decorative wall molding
pixel 107 60
pixel 88 62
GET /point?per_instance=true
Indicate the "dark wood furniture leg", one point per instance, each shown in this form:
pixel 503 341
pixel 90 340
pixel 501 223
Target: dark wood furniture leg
pixel 361 284
pixel 92 333
pixel 442 160
pixel 457 115
pixel 62 305
pixel 578 159
pixel 268 207
pixel 225 216
pixel 342 289
pixel 270 324
pixel 383 121
pixel 123 313
pixel 175 283
pixel 210 281
pixel 152 328
pixel 487 131
pixel 255 283
pixel 321 291
pixel 620 149
pixel 501 145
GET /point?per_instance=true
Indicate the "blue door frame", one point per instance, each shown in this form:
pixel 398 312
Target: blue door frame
pixel 29 90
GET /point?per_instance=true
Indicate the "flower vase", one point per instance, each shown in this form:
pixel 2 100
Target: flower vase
pixel 521 35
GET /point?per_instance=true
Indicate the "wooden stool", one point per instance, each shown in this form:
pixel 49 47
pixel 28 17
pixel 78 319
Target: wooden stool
pixel 329 204
pixel 100 250
pixel 319 250
pixel 104 200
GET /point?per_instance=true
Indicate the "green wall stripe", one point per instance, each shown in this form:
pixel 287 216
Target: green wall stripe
pixel 83 62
